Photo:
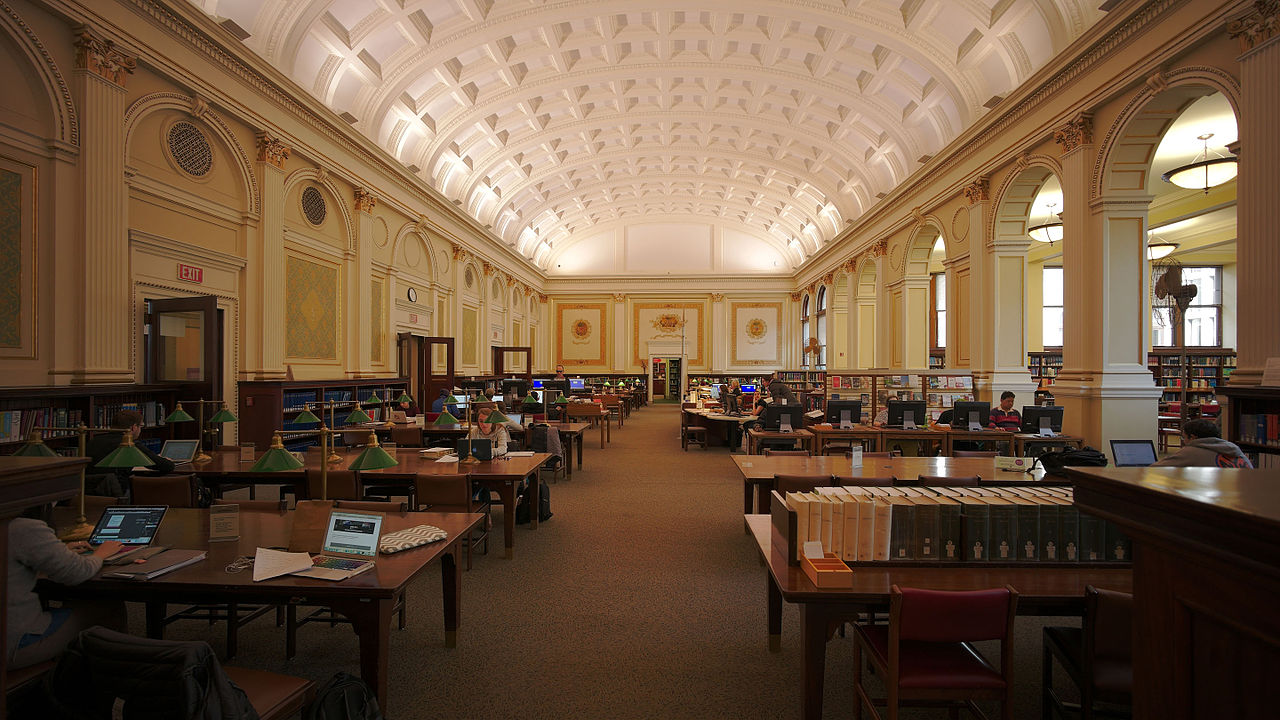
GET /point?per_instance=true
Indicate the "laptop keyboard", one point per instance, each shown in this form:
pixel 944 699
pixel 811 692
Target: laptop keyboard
pixel 336 563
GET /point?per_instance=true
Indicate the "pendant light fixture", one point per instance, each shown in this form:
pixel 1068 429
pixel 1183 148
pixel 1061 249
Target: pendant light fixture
pixel 1204 173
pixel 1049 231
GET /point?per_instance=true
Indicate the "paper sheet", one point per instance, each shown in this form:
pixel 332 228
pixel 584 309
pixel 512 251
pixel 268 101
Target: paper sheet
pixel 448 458
pixel 274 563
pixel 520 453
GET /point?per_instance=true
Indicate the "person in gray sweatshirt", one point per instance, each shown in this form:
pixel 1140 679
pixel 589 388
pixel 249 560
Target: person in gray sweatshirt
pixel 1203 446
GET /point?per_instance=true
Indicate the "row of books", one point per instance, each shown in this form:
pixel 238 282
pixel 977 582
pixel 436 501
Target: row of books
pixel 1260 428
pixel 953 524
pixel 1265 460
pixel 153 412
pixel 296 400
pixel 16 425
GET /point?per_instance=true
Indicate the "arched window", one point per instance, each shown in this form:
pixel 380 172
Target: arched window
pixel 820 320
pixel 804 331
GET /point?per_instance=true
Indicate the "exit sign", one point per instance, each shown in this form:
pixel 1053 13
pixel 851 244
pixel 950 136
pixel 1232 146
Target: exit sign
pixel 190 273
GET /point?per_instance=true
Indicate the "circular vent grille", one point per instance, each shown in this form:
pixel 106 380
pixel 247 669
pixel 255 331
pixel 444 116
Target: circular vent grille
pixel 313 205
pixel 469 277
pixel 190 149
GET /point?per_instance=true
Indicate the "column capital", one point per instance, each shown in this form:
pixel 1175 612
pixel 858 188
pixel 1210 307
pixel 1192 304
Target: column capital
pixel 978 191
pixel 619 297
pixel 795 296
pixel 271 150
pixel 365 201
pixel 1076 133
pixel 102 58
pixel 880 249
pixel 717 297
pixel 1257 26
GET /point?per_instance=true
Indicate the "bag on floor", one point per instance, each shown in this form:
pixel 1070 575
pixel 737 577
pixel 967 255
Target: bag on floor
pixel 1055 462
pixel 544 505
pixel 344 697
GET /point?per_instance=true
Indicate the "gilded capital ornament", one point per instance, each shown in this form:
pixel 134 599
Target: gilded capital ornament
pixel 511 282
pixel 199 107
pixel 1257 26
pixel 459 252
pixel 271 150
pixel 619 297
pixel 542 298
pixel 365 200
pixel 829 278
pixel 1077 132
pixel 488 268
pixel 880 249
pixel 717 297
pixel 795 296
pixel 102 58
pixel 850 265
pixel 978 191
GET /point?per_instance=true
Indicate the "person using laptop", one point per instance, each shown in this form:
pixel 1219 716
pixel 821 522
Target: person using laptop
pixel 495 433
pixel 116 484
pixel 1203 446
pixel 35 634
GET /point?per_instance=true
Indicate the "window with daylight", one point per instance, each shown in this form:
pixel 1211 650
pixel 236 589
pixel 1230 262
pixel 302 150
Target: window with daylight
pixel 804 331
pixel 820 319
pixel 1052 307
pixel 938 328
pixel 1202 326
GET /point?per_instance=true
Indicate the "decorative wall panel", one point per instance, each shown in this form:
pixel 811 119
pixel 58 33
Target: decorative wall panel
pixel 581 333
pixel 470 337
pixel 311 315
pixel 673 321
pixel 17 259
pixel 377 321
pixel 756 333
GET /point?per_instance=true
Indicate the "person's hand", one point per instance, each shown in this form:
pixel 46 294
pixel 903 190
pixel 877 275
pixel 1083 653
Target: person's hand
pixel 79 546
pixel 108 548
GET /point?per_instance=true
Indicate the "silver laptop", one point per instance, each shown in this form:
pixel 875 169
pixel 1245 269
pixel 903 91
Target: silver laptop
pixel 179 451
pixel 349 539
pixel 1133 453
pixel 134 526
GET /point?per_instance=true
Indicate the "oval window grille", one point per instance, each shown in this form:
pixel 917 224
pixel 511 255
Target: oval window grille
pixel 190 149
pixel 313 206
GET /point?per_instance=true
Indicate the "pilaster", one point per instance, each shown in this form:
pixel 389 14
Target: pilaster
pixel 264 287
pixel 360 289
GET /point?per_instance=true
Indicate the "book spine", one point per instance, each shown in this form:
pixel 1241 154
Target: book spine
pixel 883 529
pixel 849 549
pixel 837 525
pixel 1093 542
pixel 1119 547
pixel 902 530
pixel 950 533
pixel 826 507
pixel 866 528
pixel 1049 542
pixel 926 530
pixel 1068 533
pixel 1028 532
pixel 1003 532
pixel 975 516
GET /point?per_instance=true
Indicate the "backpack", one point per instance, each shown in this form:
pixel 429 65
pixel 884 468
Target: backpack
pixel 544 505
pixel 1055 462
pixel 148 679
pixel 344 697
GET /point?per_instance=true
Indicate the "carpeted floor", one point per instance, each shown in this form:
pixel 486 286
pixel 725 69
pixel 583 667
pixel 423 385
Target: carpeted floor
pixel 641 598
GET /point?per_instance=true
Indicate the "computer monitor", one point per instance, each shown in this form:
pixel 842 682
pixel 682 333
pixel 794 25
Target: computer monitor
pixel 537 384
pixel 900 411
pixel 748 388
pixel 1133 453
pixel 970 415
pixel 839 411
pixel 774 414
pixel 515 388
pixel 577 384
pixel 553 388
pixel 1036 419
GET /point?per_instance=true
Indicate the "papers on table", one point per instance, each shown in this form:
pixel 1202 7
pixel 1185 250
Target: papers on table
pixel 270 563
pixel 520 453
pixel 448 458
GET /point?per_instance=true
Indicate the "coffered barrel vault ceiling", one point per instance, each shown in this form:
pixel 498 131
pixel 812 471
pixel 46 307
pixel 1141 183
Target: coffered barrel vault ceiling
pixel 585 128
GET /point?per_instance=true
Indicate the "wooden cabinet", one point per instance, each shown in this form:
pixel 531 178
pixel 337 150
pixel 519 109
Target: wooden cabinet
pixel 270 405
pixel 1252 421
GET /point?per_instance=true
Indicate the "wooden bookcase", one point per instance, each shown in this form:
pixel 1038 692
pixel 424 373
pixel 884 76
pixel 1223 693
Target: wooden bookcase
pixel 22 408
pixel 270 405
pixel 939 390
pixel 1196 382
pixel 1045 366
pixel 1253 422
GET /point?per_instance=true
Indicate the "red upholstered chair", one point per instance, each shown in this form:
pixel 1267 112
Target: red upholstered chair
pixel 1098 657
pixel 925 653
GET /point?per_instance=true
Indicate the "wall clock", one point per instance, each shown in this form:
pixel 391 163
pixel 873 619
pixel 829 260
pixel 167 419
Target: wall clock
pixel 413 295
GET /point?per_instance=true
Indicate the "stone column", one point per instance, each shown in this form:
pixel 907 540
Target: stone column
pixel 979 297
pixel 360 289
pixel 108 315
pixel 1104 385
pixel 621 337
pixel 264 285
pixel 1257 212
pixel 1007 260
pixel 719 333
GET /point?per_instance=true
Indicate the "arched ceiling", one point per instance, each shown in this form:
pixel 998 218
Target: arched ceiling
pixel 559 122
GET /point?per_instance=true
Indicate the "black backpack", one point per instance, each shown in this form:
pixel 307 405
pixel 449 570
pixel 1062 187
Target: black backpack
pixel 544 505
pixel 344 697
pixel 1055 462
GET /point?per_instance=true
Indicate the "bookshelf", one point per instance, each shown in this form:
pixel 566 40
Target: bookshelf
pixel 1045 366
pixel 1253 422
pixel 1197 381
pixel 937 359
pixel 270 405
pixel 22 408
pixel 939 390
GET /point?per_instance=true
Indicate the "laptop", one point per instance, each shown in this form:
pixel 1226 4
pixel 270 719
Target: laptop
pixel 179 451
pixel 135 526
pixel 349 538
pixel 1133 453
pixel 399 417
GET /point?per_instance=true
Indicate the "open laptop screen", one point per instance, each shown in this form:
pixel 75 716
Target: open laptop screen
pixel 179 451
pixel 128 524
pixel 1133 453
pixel 353 533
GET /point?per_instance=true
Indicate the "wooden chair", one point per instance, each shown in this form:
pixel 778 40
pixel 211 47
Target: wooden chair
pixel 799 483
pixel 613 405
pixel 1098 658
pixel 379 506
pixel 406 436
pixel 341 485
pixel 796 453
pixel 965 481
pixel 454 493
pixel 925 653
pixel 177 491
pixel 975 453
pixel 876 455
pixel 842 480
pixel 691 434
pixel 273 696
pixel 836 448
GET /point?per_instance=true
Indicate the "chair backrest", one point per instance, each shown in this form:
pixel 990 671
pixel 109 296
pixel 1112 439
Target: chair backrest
pixel 797 453
pixel 173 490
pixel 380 506
pixel 842 480
pixel 341 484
pixel 281 505
pixel 975 453
pixel 947 616
pixel 1108 625
pixel 799 483
pixel 962 481
pixel 407 436
pixel 875 454
pixel 443 493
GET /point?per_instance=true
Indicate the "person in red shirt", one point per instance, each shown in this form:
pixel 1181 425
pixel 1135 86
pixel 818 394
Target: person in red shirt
pixel 1004 417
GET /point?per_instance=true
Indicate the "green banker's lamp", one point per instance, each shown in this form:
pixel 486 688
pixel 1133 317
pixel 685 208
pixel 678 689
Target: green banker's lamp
pixel 445 418
pixel 496 417
pixel 373 457
pixel 223 415
pixel 276 458
pixel 35 447
pixel 127 455
pixel 358 417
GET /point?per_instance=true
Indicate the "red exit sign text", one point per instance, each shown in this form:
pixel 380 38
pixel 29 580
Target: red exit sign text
pixel 190 273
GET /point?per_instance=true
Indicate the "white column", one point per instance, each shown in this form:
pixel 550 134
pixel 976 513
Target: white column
pixel 265 270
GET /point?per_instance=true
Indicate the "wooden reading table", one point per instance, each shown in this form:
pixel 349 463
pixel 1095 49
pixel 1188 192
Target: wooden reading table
pixel 867 435
pixel 1024 442
pixel 755 436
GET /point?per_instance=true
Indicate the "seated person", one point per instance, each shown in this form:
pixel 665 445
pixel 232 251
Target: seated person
pixel 1003 416
pixel 1203 446
pixel 495 433
pixel 500 404
pixel 409 408
pixel 116 484
pixel 35 634
pixel 437 405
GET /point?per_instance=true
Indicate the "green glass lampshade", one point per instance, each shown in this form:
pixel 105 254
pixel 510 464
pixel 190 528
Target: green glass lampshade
pixel 404 397
pixel 276 458
pixel 373 457
pixel 497 417
pixel 358 417
pixel 306 416
pixel 223 416
pixel 35 447
pixel 451 400
pixel 445 419
pixel 562 400
pixel 127 455
pixel 372 402
pixel 530 401
pixel 179 415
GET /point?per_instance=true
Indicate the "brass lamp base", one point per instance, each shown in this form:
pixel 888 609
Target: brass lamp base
pixel 81 530
pixel 333 457
pixel 468 461
pixel 201 457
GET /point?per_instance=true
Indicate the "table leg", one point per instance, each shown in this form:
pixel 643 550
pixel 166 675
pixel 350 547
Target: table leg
pixel 774 614
pixel 155 611
pixel 507 492
pixel 608 431
pixel 762 496
pixel 535 489
pixel 581 440
pixel 371 619
pixel 813 663
pixel 451 584
pixel 602 436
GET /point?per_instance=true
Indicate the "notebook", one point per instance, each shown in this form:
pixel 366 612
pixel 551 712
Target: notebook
pixel 179 451
pixel 135 526
pixel 1133 453
pixel 349 537
pixel 399 417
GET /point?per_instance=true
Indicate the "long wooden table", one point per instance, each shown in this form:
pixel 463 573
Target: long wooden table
pixel 1041 591
pixel 575 432
pixel 366 599
pixel 755 436
pixel 503 476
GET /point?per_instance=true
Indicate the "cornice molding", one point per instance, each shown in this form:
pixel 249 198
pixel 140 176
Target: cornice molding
pixel 154 244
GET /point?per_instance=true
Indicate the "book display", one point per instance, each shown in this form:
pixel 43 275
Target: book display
pixel 1044 366
pixel 1197 380
pixel 270 405
pixel 22 409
